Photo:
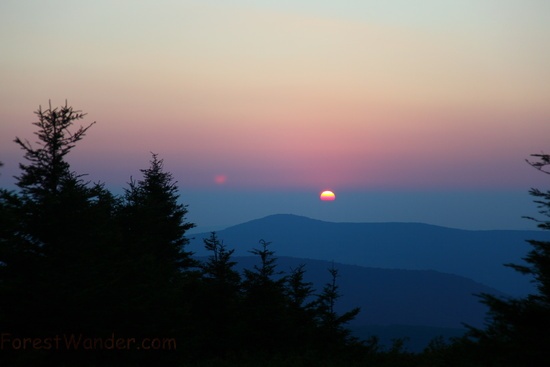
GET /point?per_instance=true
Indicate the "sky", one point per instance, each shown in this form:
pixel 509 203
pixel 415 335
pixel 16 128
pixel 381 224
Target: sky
pixel 419 111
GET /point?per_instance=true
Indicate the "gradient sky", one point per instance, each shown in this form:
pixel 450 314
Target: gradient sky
pixel 254 104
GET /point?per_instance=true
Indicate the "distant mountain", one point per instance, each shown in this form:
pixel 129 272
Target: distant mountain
pixel 474 254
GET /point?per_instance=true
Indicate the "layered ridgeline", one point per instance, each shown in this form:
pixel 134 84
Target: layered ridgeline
pixel 411 280
pixel 393 296
pixel 475 254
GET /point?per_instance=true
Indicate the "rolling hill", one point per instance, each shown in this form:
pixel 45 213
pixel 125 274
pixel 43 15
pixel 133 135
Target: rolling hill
pixel 475 254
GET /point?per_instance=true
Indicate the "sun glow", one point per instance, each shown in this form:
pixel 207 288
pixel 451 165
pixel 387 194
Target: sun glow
pixel 327 195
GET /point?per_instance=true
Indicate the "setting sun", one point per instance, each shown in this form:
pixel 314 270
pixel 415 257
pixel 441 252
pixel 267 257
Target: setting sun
pixel 327 195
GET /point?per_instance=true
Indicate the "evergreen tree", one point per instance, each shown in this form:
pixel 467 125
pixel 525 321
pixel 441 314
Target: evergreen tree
pixel 155 220
pixel 265 272
pixel 516 329
pixel 48 171
pixel 301 310
pixel 219 266
pixel 333 334
pixel 298 290
pixel 219 301
pixel 56 215
pixel 54 237
pixel 154 262
pixel 265 304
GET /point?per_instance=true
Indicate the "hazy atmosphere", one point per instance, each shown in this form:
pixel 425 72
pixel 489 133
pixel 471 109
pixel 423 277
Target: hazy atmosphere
pixel 408 112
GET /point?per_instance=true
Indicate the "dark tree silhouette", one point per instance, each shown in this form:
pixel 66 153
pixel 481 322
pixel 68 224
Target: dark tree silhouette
pixel 264 273
pixel 219 267
pixel 154 261
pixel 301 311
pixel 56 238
pixel 48 170
pixel 516 329
pixel 156 220
pixel 265 303
pixel 333 333
pixel 298 290
pixel 219 301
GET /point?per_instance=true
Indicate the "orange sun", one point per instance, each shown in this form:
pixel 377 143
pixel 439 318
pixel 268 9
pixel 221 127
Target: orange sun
pixel 327 195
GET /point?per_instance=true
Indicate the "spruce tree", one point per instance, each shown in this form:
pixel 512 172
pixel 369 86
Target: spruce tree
pixel 58 216
pixel 332 331
pixel 301 310
pixel 298 290
pixel 218 306
pixel 153 226
pixel 265 304
pixel 48 171
pixel 55 240
pixel 156 220
pixel 516 329
pixel 218 269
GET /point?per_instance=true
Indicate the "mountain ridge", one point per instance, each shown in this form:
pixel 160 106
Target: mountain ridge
pixel 474 254
pixel 392 296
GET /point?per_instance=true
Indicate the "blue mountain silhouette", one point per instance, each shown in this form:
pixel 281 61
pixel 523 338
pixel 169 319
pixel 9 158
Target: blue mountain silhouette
pixel 476 254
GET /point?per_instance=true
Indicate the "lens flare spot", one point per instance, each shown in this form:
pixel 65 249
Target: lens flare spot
pixel 220 179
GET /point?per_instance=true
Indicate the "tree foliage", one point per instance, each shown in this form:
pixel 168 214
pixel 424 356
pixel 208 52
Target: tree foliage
pixel 332 325
pixel 219 269
pixel 156 218
pixel 515 334
pixel 47 170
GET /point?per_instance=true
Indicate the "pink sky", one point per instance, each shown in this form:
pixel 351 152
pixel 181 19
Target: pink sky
pixel 289 95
